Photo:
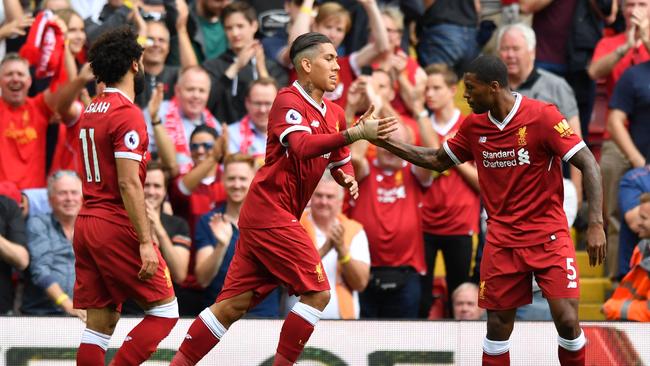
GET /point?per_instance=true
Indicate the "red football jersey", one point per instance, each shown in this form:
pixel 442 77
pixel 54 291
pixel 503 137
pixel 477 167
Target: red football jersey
pixel 518 162
pixel 284 184
pixel 450 206
pixel 388 207
pixel 111 127
pixel 23 133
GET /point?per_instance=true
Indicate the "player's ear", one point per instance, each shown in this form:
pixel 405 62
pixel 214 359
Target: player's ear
pixel 306 64
pixel 495 86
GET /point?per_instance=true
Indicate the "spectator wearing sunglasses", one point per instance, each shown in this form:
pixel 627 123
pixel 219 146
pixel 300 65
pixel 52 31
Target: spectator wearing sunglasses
pixel 171 123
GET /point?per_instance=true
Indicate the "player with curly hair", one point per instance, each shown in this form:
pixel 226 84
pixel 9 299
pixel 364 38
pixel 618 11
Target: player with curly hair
pixel 115 254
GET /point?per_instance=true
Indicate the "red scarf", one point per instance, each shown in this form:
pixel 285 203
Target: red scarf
pixel 246 134
pixel 44 49
pixel 174 126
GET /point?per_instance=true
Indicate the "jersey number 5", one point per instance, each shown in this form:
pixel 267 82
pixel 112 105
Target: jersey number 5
pixel 572 274
pixel 84 136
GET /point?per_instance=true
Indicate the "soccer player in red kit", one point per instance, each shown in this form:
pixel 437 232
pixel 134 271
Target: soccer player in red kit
pixel 273 248
pixel 116 257
pixel 517 144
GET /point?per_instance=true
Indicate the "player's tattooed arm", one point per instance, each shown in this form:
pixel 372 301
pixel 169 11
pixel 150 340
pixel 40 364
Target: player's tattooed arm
pixel 425 157
pixel 591 179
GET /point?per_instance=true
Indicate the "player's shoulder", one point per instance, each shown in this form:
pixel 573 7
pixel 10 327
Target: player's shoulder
pixel 289 96
pixel 534 106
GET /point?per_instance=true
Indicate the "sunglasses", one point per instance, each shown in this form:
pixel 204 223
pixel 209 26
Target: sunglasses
pixel 205 145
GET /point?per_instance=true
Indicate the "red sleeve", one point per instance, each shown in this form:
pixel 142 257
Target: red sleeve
pixel 129 133
pixel 347 168
pixel 602 49
pixel 458 147
pixel 341 156
pixel 307 146
pixel 558 135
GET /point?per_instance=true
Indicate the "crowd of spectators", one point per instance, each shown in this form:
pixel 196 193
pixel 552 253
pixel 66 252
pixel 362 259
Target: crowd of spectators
pixel 212 69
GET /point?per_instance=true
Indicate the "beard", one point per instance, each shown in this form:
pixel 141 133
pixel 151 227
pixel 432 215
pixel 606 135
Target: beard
pixel 138 82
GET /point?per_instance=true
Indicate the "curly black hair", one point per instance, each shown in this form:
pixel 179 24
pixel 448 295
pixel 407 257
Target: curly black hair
pixel 112 53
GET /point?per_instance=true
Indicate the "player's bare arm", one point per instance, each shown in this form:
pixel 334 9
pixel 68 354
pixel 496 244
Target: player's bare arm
pixel 596 244
pixel 133 198
pixel 425 157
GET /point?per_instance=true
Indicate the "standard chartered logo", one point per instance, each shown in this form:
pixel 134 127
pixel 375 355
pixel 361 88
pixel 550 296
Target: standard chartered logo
pixel 505 158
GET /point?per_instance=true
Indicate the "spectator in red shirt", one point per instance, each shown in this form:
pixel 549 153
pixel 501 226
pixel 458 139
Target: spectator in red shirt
pixel 390 191
pixel 23 124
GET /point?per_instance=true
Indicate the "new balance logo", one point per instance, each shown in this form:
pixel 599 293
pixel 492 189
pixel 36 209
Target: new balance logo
pixel 128 338
pixel 482 139
pixel 188 336
pixel 523 157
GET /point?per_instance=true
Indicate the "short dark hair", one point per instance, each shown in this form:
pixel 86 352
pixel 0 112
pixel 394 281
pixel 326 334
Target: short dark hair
pixel 112 53
pixel 206 129
pixel 239 7
pixel 157 165
pixel 306 42
pixel 488 69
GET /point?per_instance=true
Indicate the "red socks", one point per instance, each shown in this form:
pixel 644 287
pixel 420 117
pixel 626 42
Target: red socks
pixel 90 355
pixel 199 340
pixel 571 358
pixel 496 353
pixel 496 360
pixel 143 340
pixel 293 337
pixel 203 335
pixel 92 349
pixel 571 352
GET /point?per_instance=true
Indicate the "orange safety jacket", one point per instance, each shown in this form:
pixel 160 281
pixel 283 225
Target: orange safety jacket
pixel 630 299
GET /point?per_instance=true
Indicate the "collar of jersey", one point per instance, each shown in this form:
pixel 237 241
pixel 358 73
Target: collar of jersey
pixel 116 90
pixel 501 125
pixel 321 108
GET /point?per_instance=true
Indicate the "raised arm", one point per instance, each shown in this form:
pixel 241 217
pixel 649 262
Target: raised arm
pixel 193 178
pixel 300 26
pixel 68 93
pixel 380 43
pixel 604 65
pixel 596 245
pixel 186 51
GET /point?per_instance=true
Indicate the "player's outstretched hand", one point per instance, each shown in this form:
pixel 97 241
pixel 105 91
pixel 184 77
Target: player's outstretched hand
pixel 347 181
pixel 596 244
pixel 149 261
pixel 371 128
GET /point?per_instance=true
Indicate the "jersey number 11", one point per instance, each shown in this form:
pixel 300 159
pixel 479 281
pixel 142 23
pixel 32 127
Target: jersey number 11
pixel 84 136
